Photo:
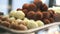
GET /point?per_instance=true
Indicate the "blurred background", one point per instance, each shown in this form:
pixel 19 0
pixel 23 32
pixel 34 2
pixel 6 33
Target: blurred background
pixel 8 5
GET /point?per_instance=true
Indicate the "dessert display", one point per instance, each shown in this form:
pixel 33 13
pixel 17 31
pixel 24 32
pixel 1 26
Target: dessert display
pixel 30 16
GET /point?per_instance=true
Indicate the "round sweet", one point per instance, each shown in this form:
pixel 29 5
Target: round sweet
pixel 4 18
pixel 12 19
pixel 32 24
pixel 25 6
pixel 38 4
pixel 54 15
pixel 19 15
pixel 18 20
pixel 46 21
pixel 32 7
pixel 25 11
pixel 51 20
pixel 26 21
pixel 14 26
pixel 5 23
pixel 38 15
pixel 12 13
pixel 18 27
pixel 21 22
pixel 44 7
pixel 23 27
pixel 46 14
pixel 40 23
pixel 51 11
pixel 31 15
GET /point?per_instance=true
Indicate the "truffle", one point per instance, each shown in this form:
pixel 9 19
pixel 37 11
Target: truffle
pixel 51 20
pixel 32 7
pixel 25 6
pixel 44 7
pixel 25 11
pixel 52 13
pixel 54 16
pixel 38 4
pixel 31 15
pixel 46 14
pixel 38 15
pixel 46 21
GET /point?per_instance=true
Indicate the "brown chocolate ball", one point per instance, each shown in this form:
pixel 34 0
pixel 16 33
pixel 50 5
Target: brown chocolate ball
pixel 54 16
pixel 52 13
pixel 25 6
pixel 38 15
pixel 46 14
pixel 18 9
pixel 46 21
pixel 25 11
pixel 51 20
pixel 32 7
pixel 5 23
pixel 44 7
pixel 38 4
pixel 31 15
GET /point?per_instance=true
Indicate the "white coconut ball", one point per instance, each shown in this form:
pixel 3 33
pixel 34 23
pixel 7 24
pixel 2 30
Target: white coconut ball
pixel 18 20
pixel 20 15
pixel 12 13
pixel 40 23
pixel 31 24
pixel 26 20
pixel 12 19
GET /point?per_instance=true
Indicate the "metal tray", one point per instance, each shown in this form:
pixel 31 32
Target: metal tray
pixel 35 30
pixel 31 30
